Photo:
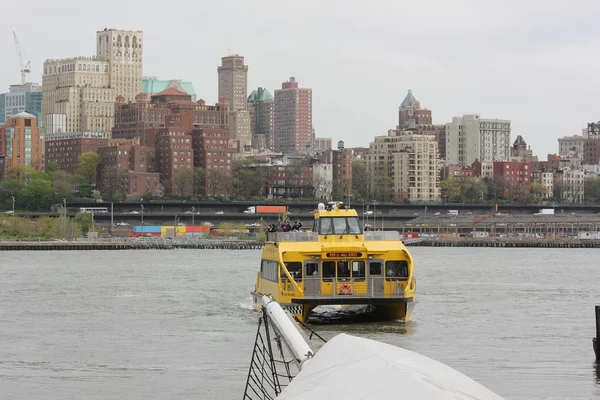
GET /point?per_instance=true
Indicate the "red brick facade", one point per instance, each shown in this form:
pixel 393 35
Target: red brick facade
pixel 65 149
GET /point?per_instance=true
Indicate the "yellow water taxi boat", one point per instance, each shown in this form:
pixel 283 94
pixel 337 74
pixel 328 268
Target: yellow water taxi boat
pixel 337 263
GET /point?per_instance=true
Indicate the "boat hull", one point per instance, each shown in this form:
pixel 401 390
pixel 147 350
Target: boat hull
pixel 385 308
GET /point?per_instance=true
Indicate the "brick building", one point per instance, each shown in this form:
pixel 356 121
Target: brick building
pixel 22 141
pixel 145 118
pixel 292 121
pixel 512 176
pixel 65 148
pixel 126 170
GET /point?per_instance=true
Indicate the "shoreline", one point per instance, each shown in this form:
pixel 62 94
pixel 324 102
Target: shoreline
pixel 131 245
pixel 508 243
pixel 163 244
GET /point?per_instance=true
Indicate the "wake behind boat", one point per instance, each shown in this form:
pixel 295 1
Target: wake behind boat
pixel 337 263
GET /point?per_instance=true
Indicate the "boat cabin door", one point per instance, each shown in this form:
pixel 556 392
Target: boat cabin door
pixel 376 278
pixel 312 279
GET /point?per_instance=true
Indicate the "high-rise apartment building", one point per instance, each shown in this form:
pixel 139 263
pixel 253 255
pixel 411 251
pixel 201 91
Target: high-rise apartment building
pixel 414 118
pixel 22 98
pixel 292 121
pixel 470 138
pixel 23 141
pixel 233 83
pixel 410 159
pixel 261 106
pixel 85 88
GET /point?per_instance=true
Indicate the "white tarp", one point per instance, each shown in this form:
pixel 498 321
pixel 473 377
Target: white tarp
pixel 352 368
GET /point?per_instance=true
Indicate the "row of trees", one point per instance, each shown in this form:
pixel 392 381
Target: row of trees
pixel 34 190
pixel 481 190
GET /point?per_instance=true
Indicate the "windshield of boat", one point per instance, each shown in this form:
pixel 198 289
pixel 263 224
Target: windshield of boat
pixel 339 226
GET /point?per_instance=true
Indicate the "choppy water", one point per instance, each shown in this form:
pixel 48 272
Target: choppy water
pixel 178 324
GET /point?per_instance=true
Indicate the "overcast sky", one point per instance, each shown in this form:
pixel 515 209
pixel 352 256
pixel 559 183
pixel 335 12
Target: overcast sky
pixel 534 62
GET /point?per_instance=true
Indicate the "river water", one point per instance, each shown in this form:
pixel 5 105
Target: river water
pixel 179 325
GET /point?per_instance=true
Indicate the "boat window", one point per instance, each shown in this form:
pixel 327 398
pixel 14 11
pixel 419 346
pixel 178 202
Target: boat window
pixel 396 270
pixel 343 270
pixel 358 270
pixel 312 270
pixel 375 268
pixel 328 270
pixel 268 270
pixel 353 226
pixel 326 228
pixel 295 270
pixel 339 226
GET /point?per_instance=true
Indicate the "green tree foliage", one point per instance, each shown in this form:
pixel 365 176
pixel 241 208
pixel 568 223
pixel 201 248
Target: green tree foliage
pixel 20 173
pixel 87 168
pixel 199 181
pixel 183 182
pixel 84 222
pixel 451 190
pixel 360 181
pixel 246 179
pixel 38 194
pixel 63 182
pixel 538 192
pixel 52 167
pixel 591 190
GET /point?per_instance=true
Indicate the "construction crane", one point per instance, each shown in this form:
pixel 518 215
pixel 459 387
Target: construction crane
pixel 24 67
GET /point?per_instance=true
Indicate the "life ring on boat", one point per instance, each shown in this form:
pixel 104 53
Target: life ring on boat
pixel 345 289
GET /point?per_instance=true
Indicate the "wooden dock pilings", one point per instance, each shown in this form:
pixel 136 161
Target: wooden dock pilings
pixel 532 243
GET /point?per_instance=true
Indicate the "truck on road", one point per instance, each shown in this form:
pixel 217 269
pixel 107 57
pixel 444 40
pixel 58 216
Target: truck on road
pixel 545 211
pixel 266 210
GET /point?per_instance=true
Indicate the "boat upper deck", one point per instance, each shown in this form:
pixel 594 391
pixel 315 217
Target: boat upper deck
pixel 309 236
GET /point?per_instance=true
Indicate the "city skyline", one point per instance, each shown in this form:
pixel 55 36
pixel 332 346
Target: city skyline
pixel 509 61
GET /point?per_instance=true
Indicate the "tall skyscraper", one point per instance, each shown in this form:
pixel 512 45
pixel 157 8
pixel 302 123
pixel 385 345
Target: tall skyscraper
pixel 260 106
pixel 123 51
pixel 292 122
pixel 233 83
pixel 22 98
pixel 85 88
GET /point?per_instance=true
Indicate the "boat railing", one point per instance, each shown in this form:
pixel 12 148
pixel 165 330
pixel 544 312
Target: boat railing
pixel 369 287
pixel 382 235
pixel 308 236
pixel 300 236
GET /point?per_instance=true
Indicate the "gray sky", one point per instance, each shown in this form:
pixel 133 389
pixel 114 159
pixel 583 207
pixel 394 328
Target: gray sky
pixel 534 62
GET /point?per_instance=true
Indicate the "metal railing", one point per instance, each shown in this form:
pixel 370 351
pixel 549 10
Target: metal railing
pixel 369 287
pixel 301 236
pixel 305 236
pixel 382 235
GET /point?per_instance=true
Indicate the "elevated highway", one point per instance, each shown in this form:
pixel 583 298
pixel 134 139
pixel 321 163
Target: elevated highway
pixel 386 215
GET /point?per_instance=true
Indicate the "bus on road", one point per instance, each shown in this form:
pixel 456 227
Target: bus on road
pixel 95 210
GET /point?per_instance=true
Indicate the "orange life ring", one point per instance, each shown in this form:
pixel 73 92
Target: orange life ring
pixel 345 289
